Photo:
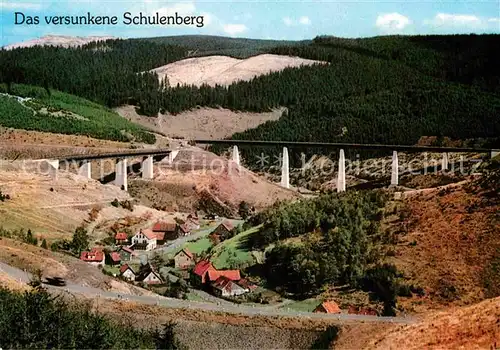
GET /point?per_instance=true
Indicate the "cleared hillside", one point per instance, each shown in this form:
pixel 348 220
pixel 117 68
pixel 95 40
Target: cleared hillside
pixel 58 40
pixel 224 70
pixel 53 207
pixel 201 180
pixel 200 123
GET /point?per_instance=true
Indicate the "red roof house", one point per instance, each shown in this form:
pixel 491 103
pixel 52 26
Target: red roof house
pixel 94 257
pixel 208 273
pixel 329 307
pixel 225 287
pixel 246 284
pixel 162 226
pixel 114 258
pixel 165 230
pixel 149 233
pixel 233 275
pixel 201 269
pixel 121 237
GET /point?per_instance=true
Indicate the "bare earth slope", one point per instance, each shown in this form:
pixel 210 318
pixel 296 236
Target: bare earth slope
pixel 58 40
pixel 54 207
pixel 201 122
pixel 223 70
pixel 472 327
pixel 200 179
pixel 448 243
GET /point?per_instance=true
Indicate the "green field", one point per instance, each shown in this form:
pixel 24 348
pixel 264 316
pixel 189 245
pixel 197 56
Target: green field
pixel 199 246
pixel 112 269
pixel 232 252
pixel 307 305
pixel 193 297
pixel 35 109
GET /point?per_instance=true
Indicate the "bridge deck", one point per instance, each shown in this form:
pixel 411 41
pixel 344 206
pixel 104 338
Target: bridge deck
pixel 294 144
pixel 131 154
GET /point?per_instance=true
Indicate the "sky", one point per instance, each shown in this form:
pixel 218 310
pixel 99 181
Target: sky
pixel 260 19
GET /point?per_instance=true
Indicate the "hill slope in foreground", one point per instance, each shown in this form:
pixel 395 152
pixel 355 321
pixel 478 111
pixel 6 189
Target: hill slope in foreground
pixel 448 242
pixel 472 327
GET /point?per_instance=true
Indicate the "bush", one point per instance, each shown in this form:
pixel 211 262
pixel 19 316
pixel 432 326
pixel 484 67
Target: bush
pixel 4 197
pixel 404 290
pixel 127 205
pixel 52 322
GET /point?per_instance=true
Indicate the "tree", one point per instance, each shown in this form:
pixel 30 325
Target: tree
pixel 244 209
pixel 157 261
pixel 166 339
pixel 80 241
pixel 44 244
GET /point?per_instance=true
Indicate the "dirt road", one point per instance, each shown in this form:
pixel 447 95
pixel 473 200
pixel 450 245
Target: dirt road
pixel 186 304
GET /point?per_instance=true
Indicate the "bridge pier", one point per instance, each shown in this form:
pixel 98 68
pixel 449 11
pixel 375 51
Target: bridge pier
pixel 395 169
pixel 444 162
pixel 172 155
pixel 147 168
pixel 341 174
pixel 236 155
pixel 285 176
pixel 53 163
pixel 84 169
pixel 121 174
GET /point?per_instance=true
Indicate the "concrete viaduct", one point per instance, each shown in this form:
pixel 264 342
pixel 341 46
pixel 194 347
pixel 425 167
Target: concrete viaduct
pixel 121 163
pixel 148 155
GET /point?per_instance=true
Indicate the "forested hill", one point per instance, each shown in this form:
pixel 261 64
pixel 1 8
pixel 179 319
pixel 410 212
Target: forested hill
pixel 383 90
pixel 205 45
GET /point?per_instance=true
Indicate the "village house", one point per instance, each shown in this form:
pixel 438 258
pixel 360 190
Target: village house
pixel 94 257
pixel 222 232
pixel 200 270
pixel 127 273
pixel 224 287
pixel 193 222
pixel 329 307
pixel 126 253
pixel 214 274
pixel 183 230
pixel 165 231
pixel 144 240
pixel 204 272
pixel 148 276
pixel 114 259
pixel 246 284
pixel 184 259
pixel 192 225
pixel 121 238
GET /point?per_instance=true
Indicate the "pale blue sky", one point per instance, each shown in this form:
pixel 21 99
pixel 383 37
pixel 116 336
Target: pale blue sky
pixel 291 20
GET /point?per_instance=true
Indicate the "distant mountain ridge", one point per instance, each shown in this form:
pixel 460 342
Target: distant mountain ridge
pixel 58 40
